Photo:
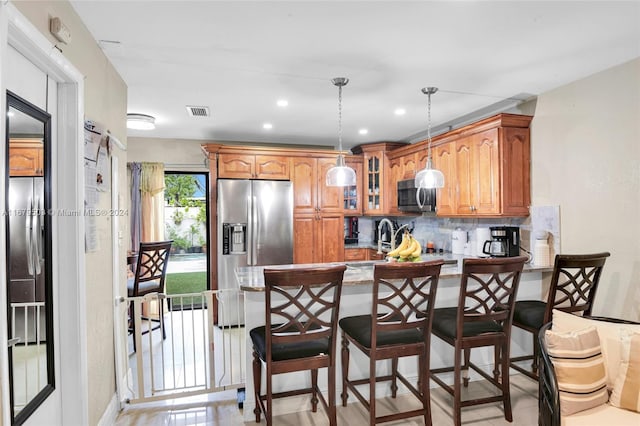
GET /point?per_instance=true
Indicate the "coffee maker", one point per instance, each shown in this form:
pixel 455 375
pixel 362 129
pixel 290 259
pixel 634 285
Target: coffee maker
pixel 504 242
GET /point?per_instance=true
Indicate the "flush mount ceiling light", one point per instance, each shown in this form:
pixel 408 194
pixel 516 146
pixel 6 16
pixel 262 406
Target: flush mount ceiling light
pixel 429 177
pixel 140 122
pixel 340 174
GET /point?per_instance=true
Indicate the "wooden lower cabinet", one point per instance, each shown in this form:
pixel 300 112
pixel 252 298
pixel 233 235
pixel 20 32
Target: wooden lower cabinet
pixel 373 255
pixel 318 238
pixel 355 254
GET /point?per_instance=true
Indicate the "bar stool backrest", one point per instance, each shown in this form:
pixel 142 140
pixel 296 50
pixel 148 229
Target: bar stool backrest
pixel 402 294
pixel 151 266
pixel 488 290
pixel 302 303
pixel 574 283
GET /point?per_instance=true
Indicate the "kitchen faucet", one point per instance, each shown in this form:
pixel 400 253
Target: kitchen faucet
pixel 393 242
pixel 394 239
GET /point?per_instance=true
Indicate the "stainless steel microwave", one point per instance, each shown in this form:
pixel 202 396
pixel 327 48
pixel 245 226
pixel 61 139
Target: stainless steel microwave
pixel 410 199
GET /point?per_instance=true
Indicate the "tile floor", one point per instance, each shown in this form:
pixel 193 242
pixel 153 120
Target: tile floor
pixel 221 409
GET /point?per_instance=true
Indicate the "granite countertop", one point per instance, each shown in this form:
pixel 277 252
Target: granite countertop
pixel 250 278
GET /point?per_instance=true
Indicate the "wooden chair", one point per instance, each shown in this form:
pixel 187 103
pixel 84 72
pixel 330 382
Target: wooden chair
pixel 301 307
pixel 573 288
pixel 398 326
pixel 483 317
pixel 149 277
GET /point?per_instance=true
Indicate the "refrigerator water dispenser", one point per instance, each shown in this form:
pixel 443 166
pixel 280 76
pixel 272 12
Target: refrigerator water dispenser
pixel 234 238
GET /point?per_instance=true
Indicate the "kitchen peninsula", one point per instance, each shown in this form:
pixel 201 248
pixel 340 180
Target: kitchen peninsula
pixel 356 300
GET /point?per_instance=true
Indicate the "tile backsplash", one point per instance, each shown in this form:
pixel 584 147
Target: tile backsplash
pixel 438 230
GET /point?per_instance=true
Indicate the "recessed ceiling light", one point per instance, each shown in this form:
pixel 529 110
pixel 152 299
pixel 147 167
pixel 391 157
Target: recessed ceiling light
pixel 267 126
pixel 400 111
pixel 363 131
pixel 282 103
pixel 141 122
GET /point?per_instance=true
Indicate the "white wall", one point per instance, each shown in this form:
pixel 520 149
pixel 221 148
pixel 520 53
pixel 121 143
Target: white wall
pixel 585 142
pixel 105 102
pixel 174 152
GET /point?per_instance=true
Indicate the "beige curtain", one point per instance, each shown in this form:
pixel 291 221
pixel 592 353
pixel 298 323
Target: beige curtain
pixel 152 201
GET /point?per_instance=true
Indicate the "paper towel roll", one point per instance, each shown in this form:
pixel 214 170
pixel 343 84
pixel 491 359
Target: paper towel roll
pixel 541 253
pixel 458 240
pixel 482 235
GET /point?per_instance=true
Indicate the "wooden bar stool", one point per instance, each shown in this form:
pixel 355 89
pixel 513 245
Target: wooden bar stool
pixel 399 326
pixel 150 274
pixel 301 307
pixel 573 288
pixel 482 318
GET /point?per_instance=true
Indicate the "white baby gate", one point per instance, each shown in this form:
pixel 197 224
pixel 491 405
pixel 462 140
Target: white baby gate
pixel 198 354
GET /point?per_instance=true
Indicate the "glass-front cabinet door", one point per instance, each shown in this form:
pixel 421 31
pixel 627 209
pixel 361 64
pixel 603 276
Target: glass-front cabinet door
pixel 353 194
pixel 374 181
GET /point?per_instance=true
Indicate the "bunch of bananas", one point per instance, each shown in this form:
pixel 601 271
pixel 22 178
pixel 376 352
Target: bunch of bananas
pixel 409 250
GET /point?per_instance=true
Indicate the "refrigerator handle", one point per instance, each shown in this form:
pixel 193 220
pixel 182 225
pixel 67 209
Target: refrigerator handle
pixel 249 235
pixel 28 224
pixel 35 232
pixel 255 231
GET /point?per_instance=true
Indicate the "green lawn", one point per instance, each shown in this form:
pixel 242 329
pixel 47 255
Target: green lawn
pixel 186 282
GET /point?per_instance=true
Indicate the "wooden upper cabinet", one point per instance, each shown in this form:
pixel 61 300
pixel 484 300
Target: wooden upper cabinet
pixel 26 157
pixel 516 172
pixel 304 175
pixel 396 173
pixel 443 160
pixel 248 166
pixel 310 191
pixel 330 198
pixel 486 168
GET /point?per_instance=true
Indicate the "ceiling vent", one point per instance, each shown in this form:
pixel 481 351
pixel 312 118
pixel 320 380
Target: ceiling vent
pixel 198 111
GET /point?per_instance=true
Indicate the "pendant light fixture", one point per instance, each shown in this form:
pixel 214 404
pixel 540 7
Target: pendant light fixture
pixel 340 174
pixel 429 177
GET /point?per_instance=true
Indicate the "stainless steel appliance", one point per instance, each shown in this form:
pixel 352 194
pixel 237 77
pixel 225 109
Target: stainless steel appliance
pixel 412 199
pixel 255 227
pixel 504 242
pixel 26 265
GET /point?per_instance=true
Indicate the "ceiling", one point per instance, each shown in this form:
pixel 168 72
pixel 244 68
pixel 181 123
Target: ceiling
pixel 239 58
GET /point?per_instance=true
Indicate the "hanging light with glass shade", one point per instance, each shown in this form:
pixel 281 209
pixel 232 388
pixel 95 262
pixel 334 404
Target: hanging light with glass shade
pixel 340 174
pixel 429 177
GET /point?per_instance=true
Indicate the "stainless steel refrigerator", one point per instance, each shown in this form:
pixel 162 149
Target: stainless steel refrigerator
pixel 255 227
pixel 26 265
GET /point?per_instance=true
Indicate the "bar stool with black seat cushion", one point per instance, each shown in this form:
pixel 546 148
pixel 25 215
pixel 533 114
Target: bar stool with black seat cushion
pixel 399 326
pixel 301 307
pixel 483 317
pixel 573 288
pixel 149 277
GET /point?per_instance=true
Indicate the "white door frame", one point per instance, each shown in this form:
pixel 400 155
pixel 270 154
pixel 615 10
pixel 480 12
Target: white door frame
pixel 70 397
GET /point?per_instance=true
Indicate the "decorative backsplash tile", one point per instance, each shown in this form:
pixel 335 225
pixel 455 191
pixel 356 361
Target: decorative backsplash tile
pixel 439 230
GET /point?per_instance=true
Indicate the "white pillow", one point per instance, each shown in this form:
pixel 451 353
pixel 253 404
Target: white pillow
pixel 626 390
pixel 608 332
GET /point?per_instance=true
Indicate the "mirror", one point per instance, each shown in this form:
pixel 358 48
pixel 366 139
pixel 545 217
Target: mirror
pixel 29 282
